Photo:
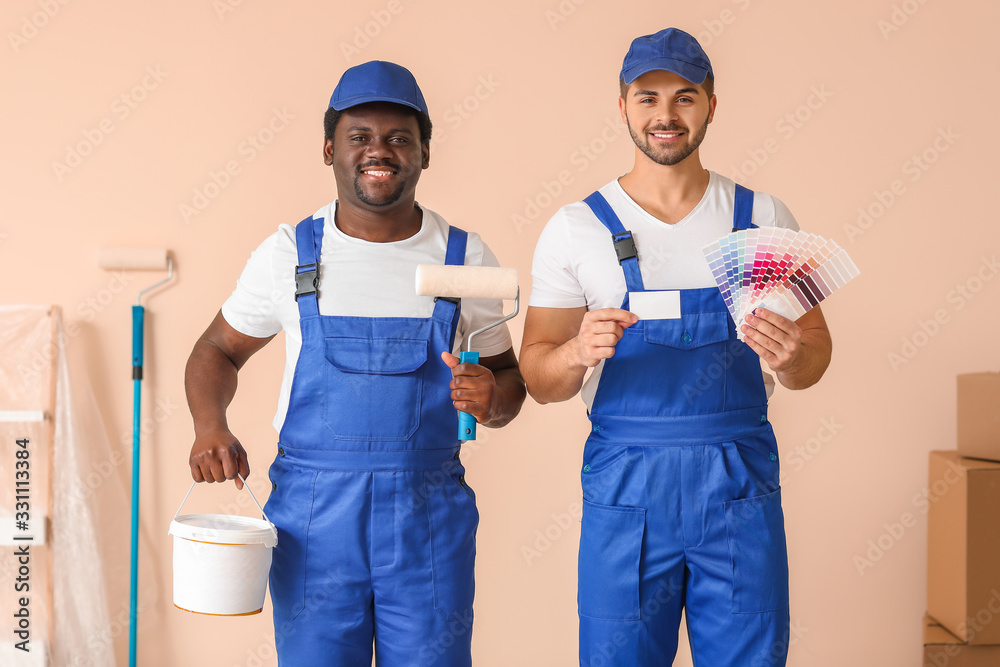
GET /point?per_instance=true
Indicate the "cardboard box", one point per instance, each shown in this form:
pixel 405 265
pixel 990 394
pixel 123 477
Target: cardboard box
pixel 979 416
pixel 943 649
pixel 963 554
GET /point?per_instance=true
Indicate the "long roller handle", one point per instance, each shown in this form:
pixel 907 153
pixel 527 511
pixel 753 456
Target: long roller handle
pixel 138 318
pixel 466 422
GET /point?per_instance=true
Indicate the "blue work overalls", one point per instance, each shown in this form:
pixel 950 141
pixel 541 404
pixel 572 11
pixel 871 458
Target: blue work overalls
pixel 682 507
pixel 376 525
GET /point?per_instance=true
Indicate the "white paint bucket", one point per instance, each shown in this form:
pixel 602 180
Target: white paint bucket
pixel 221 562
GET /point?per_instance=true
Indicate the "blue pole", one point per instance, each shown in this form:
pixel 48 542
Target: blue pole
pixel 138 313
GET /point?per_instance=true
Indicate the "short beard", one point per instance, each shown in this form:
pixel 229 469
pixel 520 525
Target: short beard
pixel 668 159
pixel 388 200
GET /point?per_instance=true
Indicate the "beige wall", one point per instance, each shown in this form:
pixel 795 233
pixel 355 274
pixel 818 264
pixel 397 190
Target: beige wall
pixel 516 90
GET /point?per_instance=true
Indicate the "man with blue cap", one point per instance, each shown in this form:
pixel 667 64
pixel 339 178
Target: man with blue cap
pixel 376 523
pixel 682 507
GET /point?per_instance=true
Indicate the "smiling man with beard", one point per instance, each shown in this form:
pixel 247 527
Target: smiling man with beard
pixel 682 509
pixel 376 523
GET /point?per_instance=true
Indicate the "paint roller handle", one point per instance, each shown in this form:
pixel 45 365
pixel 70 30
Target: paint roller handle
pixel 466 422
pixel 138 318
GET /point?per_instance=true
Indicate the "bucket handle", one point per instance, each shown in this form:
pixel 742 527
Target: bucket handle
pixel 245 486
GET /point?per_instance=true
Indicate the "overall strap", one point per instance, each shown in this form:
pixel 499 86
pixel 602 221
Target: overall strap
pixel 457 240
pixel 624 243
pixel 744 209
pixel 308 241
pixel 448 308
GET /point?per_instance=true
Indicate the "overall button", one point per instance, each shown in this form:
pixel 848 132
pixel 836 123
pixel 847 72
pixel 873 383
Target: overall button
pixel 586 468
pixel 274 486
pixel 763 418
pixel 772 456
pixel 597 428
pixel 686 338
pixel 461 480
pixel 281 451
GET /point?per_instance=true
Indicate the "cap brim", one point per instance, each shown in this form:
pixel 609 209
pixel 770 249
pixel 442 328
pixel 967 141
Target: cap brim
pixel 340 105
pixel 693 73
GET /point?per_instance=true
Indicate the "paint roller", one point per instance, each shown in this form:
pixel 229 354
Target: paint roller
pixel 469 282
pixel 137 259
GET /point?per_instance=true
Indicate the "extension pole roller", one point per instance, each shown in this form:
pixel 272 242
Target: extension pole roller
pixel 141 259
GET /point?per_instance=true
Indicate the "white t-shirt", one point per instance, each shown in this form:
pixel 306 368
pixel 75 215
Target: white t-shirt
pixel 575 263
pixel 357 278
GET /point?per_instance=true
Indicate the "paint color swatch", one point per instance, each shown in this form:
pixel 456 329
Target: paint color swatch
pixel 782 270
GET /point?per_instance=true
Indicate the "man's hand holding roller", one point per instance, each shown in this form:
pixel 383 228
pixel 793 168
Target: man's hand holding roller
pixel 492 391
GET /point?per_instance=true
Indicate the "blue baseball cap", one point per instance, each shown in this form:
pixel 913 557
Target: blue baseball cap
pixel 672 50
pixel 377 81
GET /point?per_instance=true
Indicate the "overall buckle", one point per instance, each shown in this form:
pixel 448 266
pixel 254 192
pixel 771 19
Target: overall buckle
pixel 306 282
pixel 625 247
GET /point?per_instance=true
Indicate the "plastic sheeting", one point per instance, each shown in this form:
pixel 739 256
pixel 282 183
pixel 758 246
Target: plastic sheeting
pixel 75 475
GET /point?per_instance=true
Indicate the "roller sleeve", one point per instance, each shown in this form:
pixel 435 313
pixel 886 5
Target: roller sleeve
pixel 470 282
pixel 144 259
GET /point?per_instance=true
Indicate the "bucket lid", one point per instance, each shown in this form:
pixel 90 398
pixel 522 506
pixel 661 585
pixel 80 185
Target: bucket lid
pixel 224 529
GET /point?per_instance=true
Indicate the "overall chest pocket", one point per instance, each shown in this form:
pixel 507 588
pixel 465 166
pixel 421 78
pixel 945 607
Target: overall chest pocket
pixel 689 331
pixel 373 387
pixel 681 368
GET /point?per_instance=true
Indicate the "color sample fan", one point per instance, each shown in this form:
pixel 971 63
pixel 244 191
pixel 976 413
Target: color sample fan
pixel 782 270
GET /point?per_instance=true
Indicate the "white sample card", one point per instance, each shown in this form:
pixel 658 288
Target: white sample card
pixel 655 305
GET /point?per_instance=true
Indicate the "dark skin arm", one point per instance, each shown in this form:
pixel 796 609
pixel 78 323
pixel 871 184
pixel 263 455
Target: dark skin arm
pixel 492 391
pixel 210 380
